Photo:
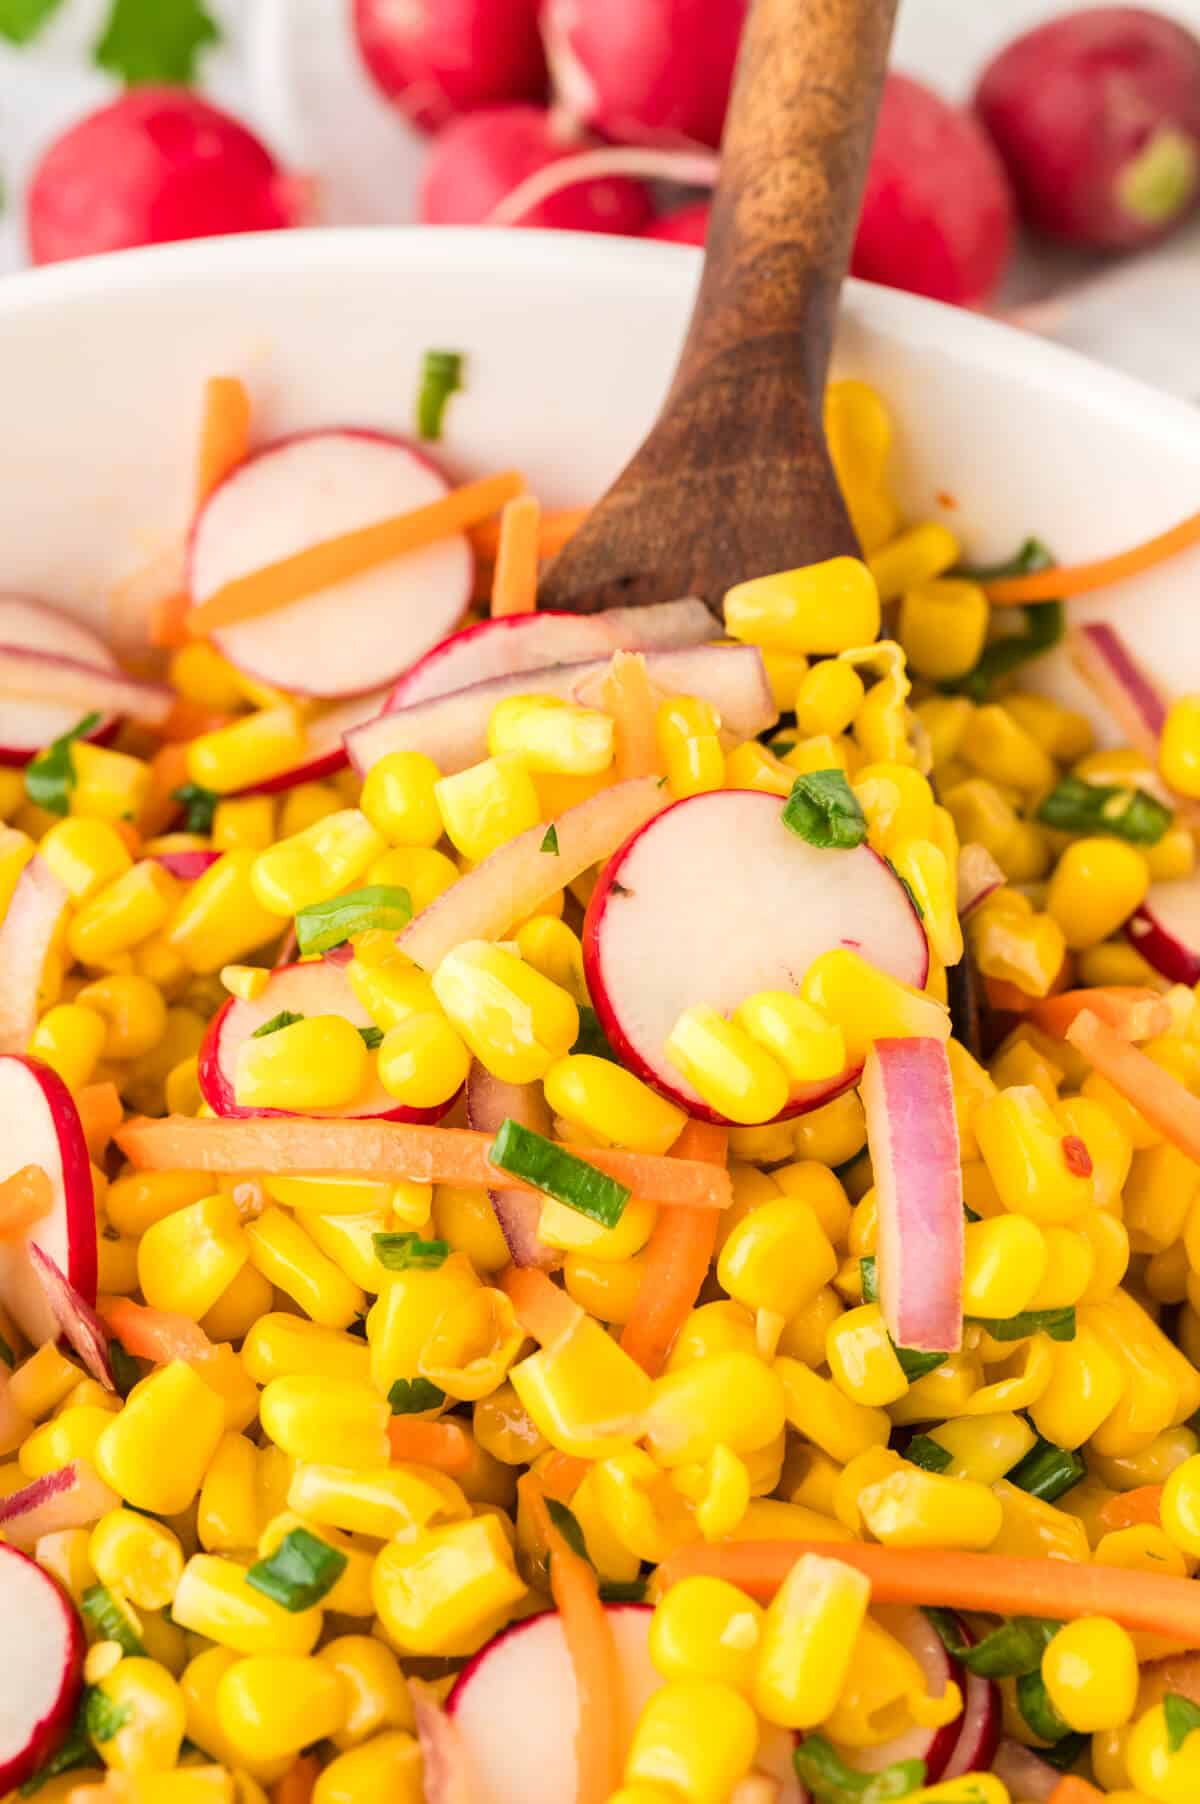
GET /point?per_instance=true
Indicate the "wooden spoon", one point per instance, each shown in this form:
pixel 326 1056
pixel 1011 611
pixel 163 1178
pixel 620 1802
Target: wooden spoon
pixel 735 480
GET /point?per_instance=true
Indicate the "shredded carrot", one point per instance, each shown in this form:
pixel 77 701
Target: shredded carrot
pixel 545 1312
pixel 1081 579
pixel 296 1786
pixel 168 771
pixel 168 621
pixel 555 528
pixel 561 1474
pixel 224 434
pixel 393 1149
pixel 443 1445
pixel 336 560
pixel 594 1659
pixel 1155 1093
pixel 188 719
pixel 630 697
pixel 24 1199
pixel 988 1582
pixel 154 1334
pixel 1072 1790
pixel 1133 1508
pixel 677 1258
pixel 514 583
pixel 129 836
pixel 1134 1013
pixel 1004 997
pixel 100 1115
pixel 1179 1673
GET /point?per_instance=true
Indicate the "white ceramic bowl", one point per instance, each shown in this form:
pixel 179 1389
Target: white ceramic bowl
pixel 570 343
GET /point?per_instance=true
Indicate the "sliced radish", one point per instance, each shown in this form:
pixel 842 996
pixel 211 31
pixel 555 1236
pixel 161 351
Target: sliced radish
pixel 44 677
pixel 715 900
pixel 978 877
pixel 489 1103
pixel 512 1758
pixel 452 729
pixel 1166 929
pixel 71 1496
pixel 979 1725
pixel 1026 1777
pixel 1128 691
pixel 514 882
pixel 28 725
pixel 318 988
pixel 27 932
pixel 75 1316
pixel 188 863
pixel 447 1776
pixel 41 1672
pixel 515 642
pixel 41 1127
pixel 915 1632
pixel 912 1134
pixel 356 634
pixel 324 744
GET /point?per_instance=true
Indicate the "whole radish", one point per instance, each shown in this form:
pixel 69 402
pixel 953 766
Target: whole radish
pixel 937 213
pixel 686 225
pixel 436 58
pixel 155 165
pixel 480 159
pixel 645 71
pixel 1097 116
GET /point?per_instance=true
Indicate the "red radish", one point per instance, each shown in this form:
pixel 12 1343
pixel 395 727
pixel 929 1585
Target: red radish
pixel 1129 693
pixel 324 747
pixel 27 933
pixel 1097 116
pixel 75 1317
pixel 41 1667
pixel 512 884
pixel 27 726
pixel 42 1128
pixel 978 1728
pixel 357 634
pixel 659 933
pixel 1024 1774
pixel 317 988
pixel 40 677
pixel 530 1662
pixel 687 225
pixel 937 212
pixel 515 642
pixel 452 729
pixel 646 71
pixel 155 165
pixel 437 58
pixel 71 1496
pixel 489 1103
pixel 1166 929
pixel 187 864
pixel 480 159
pixel 913 1138
pixel 978 877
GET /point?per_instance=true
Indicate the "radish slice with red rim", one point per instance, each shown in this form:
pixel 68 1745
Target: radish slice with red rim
pixel 78 687
pixel 28 725
pixel 979 876
pixel 354 635
pixel 41 1127
pixel 490 1102
pixel 187 864
pixel 27 931
pixel 324 744
pixel 1026 1777
pixel 41 1667
pixel 75 1316
pixel 71 1496
pixel 914 1631
pixel 1166 929
pixel 979 1725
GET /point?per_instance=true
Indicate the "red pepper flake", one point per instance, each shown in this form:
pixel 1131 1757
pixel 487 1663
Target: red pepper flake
pixel 1078 1158
pixel 945 499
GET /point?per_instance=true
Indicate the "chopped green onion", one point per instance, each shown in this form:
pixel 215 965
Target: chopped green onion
pixel 908 889
pixel 323 925
pixel 1048 1472
pixel 1064 1753
pixel 441 377
pixel 1045 623
pixel 1182 1719
pixel 408 1252
pixel 199 805
pixel 824 810
pixel 1014 1647
pixel 285 1018
pixel 102 1717
pixel 1034 1703
pixel 567 1524
pixel 7 1354
pixel 869 1272
pixel 1059 1324
pixel 550 840
pixel 371 1037
pixel 109 1620
pixel 1118 809
pixel 592 1037
pixel 821 1768
pixel 916 1365
pixel 300 1572
pixel 125 1369
pixel 413 1396
pixel 927 1453
pixel 623 1591
pixel 970 1214
pixel 50 778
pixel 555 1172
pixel 75 1751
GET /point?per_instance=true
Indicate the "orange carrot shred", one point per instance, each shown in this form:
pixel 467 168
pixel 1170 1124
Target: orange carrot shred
pixel 561 1474
pixel 168 772
pixel 556 527
pixel 442 1445
pixel 1073 1790
pixel 188 719
pixel 630 697
pixel 154 1334
pixel 544 1311
pixel 1081 579
pixel 677 1258
pixel 1134 1012
pixel 349 554
pixel 24 1198
pixel 224 434
pixel 100 1115
pixel 1130 1509
pixel 514 584
pixel 168 621
pixel 1161 1098
pixel 296 1786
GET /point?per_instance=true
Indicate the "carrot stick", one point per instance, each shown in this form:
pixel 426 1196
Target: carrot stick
pixel 168 621
pixel 514 584
pixel 594 1659
pixel 555 529
pixel 154 1333
pixel 1161 1098
pixel 544 1311
pixel 168 771
pixel 1133 1012
pixel 188 719
pixel 443 1445
pixel 677 1258
pixel 630 697
pixel 224 434
pixel 1081 579
pixel 336 560
pixel 392 1149
pixel 1004 997
pixel 561 1474
pixel 1073 1790
pixel 296 1786
pixel 1132 1508
pixel 24 1198
pixel 988 1582
pixel 100 1115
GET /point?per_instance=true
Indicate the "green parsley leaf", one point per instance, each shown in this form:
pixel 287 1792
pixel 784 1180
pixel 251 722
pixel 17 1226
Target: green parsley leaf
pixel 592 1037
pixel 908 889
pixel 413 1396
pixel 111 1623
pixel 21 20
pixel 869 1272
pixel 927 1453
pixel 1034 1703
pixel 372 1038
pixel 567 1524
pixel 822 1770
pixel 623 1591
pixel 824 810
pixel 302 1570
pixel 1059 1324
pixel 200 805
pixel 125 1369
pixel 1044 624
pixel 75 1751
pixel 285 1018
pixel 155 40
pixel 1064 1753
pixel 50 778
pixel 1014 1647
pixel 550 840
pixel 441 377
pixel 558 1173
pixel 1182 1718
pixel 323 925
pixel 102 1718
pixel 916 1365
pixel 1117 809
pixel 408 1252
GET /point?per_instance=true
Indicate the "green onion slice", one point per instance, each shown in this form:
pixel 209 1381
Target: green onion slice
pixel 285 1018
pixel 1048 1472
pixel 927 1453
pixel 50 777
pixel 301 1571
pixel 824 810
pixel 1118 809
pixel 323 925
pixel 553 1170
pixel 413 1396
pixel 441 377
pixel 109 1620
pixel 408 1252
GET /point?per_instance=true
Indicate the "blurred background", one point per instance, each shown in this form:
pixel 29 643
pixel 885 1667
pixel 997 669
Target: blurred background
pixel 1038 159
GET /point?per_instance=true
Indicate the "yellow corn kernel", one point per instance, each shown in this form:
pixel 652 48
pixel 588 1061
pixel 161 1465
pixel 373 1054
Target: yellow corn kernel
pixel 984 1448
pixel 931 879
pixel 687 735
pixel 809 1047
pixel 386 1770
pixel 422 1061
pixel 317 863
pixel 1109 1147
pixel 304 805
pixel 898 803
pixel 733 1073
pixel 1179 746
pixel 248 751
pixel 408 1310
pixel 392 991
pixel 16 849
pixel 202 675
pixel 442 1594
pixel 221 919
pixel 1159 1195
pixel 913 558
pixel 213 1599
pixel 731 1399
pixel 805 1333
pixel 198 1683
pixel 1097 884
pixel 981 814
pixel 1086 1385
pixel 751 766
pixel 399 801
pixel 514 1020
pixel 474 1344
pixel 942 627
pixel 64 1555
pixel 244 823
pixel 376 1501
pixel 464 1217
pixel 319 1062
pixel 820 1411
pixel 85 855
pixel 1006 1261
pixel 611 1104
pixel 122 914
pixel 777 1257
pixel 859 433
pixel 999 748
pixel 39 1383
pixel 547 944
pixel 807 1642
pixel 584 1394
pixel 282 1251
pixel 785 669
pixel 813 1183
pixel 349 1240
pixel 109 786
pixel 1032 1529
pixel 376 1692
pixel 1173 857
pixel 421 870
pixel 829 696
pixel 273 1704
pixel 504 1429
pixel 563 1227
pixel 1145 1548
pixel 912 1508
pixel 139 1199
pixel 322 1418
pixel 695 1739
pixel 833 1134
pixel 133 1009
pixel 137 1557
pixel 1021 1142
pixel 70 1436
pixel 1156 1771
pixel 820 752
pixel 705 1628
pixel 190 1257
pixel 70 1039
pixel 819 609
pixel 172 1407
pixel 1152 1464
pixel 154 1717
pixel 246 982
pixel 606 1288
pixel 551 736
pixel 227 1511
pixel 486 805
pixel 1180 1507
pixel 869 1005
pixel 1071 1266
pixel 862 1359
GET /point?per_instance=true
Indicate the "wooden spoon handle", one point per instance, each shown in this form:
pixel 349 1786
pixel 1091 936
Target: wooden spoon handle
pixel 793 163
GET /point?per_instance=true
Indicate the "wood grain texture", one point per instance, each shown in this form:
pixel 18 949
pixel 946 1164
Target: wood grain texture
pixel 734 479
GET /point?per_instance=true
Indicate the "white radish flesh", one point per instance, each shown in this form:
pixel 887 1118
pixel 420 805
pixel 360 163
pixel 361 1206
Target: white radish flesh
pixel 42 1128
pixel 41 1667
pixel 491 1102
pixel 27 932
pixel 28 725
pixel 43 678
pixel 356 634
pixel 979 1725
pixel 1166 930
pixel 72 1496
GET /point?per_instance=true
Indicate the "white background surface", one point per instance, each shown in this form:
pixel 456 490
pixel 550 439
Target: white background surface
pixel 290 68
